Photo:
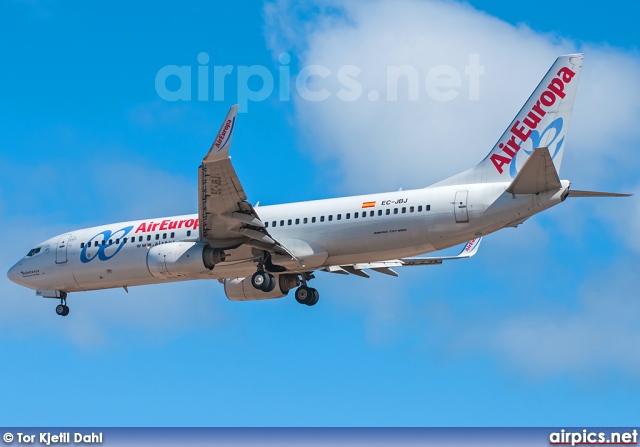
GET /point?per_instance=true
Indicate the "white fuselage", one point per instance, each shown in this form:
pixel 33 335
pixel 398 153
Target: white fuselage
pixel 325 232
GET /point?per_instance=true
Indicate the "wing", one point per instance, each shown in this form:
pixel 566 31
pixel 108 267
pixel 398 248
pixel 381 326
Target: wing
pixel 384 267
pixel 227 220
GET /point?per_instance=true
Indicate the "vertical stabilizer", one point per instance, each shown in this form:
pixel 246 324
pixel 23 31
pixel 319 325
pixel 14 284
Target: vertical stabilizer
pixel 543 121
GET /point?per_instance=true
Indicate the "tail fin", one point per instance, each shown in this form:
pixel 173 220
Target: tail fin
pixel 543 121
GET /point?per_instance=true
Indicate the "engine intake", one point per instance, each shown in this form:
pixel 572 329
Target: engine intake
pixel 182 259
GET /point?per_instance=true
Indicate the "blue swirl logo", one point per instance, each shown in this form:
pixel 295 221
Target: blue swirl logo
pixel 536 139
pixel 105 251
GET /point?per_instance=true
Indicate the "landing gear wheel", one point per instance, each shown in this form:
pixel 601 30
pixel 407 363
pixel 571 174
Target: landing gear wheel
pixel 315 296
pixel 263 281
pixel 62 310
pixel 272 283
pixel 307 295
pixel 302 294
pixel 259 279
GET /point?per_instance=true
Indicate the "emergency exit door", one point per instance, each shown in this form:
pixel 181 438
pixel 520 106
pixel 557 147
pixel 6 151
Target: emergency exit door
pixel 460 207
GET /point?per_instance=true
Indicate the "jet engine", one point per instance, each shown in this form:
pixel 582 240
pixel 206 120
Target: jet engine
pixel 241 289
pixel 182 259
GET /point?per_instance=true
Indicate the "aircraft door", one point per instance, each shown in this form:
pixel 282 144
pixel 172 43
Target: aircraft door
pixel 460 207
pixel 61 251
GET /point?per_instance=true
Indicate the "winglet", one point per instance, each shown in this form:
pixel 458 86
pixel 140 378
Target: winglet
pixel 220 147
pixel 470 249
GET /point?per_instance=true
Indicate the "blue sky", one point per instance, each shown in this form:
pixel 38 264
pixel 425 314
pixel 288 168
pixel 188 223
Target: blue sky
pixel 539 329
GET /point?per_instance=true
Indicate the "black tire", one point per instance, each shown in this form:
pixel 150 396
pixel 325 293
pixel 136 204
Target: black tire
pixel 66 311
pixel 60 308
pixel 272 283
pixel 303 294
pixel 313 298
pixel 259 280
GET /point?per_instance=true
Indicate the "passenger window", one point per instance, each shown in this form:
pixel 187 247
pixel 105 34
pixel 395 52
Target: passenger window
pixel 266 224
pixel 339 216
pixel 117 241
pixel 395 211
pixel 148 237
pixel 157 236
pixel 420 208
pixel 349 215
pixel 173 235
pixel 274 223
pixel 388 211
pixel 305 220
pixel 411 209
pixel 379 212
pixel 188 233
pixel 298 221
pixel 282 223
pixel 104 242
pixel 404 209
pixel 355 215
pixel 140 239
pixel 82 245
pixel 428 207
pixel 164 235
pixel 321 218
pixel 330 217
pixel 289 222
pixel 110 241
pixel 95 244
pixel 313 219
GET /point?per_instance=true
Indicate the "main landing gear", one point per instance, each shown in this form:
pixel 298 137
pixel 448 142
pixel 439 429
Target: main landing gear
pixel 307 295
pixel 62 309
pixel 266 282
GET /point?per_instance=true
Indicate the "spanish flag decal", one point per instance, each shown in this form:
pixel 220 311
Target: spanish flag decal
pixel 368 204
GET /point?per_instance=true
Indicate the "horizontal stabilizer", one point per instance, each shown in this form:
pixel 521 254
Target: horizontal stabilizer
pixel 576 193
pixel 384 267
pixel 538 174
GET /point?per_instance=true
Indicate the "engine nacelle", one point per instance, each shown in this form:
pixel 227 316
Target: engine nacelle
pixel 182 259
pixel 240 289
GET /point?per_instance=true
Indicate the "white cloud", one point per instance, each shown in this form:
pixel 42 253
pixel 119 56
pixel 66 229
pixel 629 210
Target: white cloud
pixel 602 334
pixel 385 145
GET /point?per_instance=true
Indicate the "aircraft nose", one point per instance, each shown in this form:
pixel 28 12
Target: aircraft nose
pixel 13 275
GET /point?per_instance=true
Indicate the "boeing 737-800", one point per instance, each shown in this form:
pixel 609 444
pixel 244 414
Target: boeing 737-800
pixel 261 252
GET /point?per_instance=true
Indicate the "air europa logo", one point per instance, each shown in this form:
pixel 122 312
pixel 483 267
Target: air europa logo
pixel 104 251
pixel 521 132
pixel 167 224
pixel 225 132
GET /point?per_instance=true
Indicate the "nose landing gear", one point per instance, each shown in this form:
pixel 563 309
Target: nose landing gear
pixel 62 309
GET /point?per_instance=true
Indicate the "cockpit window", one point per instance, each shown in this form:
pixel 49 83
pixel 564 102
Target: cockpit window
pixel 33 251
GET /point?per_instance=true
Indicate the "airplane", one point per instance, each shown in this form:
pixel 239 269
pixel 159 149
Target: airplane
pixel 263 252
